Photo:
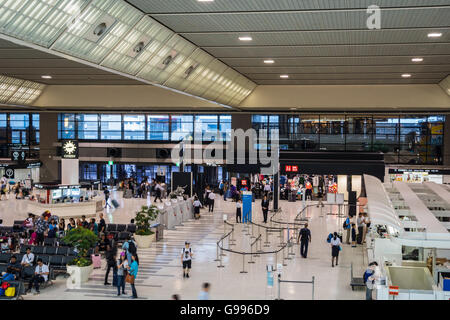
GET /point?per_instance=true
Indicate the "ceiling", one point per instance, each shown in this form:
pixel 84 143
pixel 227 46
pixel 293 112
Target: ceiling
pixel 29 64
pixel 316 41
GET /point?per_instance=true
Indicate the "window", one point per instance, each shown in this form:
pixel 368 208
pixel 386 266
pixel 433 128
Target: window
pixel 34 128
pixel 158 127
pixel 182 127
pixel 225 127
pixel 66 126
pixel 87 126
pixel 206 126
pixel 134 127
pixel 89 171
pixel 111 126
pixel 19 124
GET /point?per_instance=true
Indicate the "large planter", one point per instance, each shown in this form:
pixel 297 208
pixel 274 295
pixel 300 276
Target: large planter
pixel 144 241
pixel 78 275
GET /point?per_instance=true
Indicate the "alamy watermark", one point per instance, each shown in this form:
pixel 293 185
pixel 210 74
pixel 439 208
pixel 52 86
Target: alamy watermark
pixel 374 20
pixel 234 151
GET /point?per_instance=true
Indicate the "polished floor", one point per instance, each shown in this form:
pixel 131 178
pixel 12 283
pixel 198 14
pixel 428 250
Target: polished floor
pixel 160 273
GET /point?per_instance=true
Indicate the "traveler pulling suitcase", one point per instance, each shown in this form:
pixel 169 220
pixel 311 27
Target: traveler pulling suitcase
pixel 115 203
pixel 96 261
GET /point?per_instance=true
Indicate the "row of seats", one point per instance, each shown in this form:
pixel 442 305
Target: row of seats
pixel 119 236
pixel 49 250
pixel 112 227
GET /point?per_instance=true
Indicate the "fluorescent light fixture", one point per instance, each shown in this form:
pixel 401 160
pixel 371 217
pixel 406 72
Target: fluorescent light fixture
pixel 205 0
pixel 245 38
pixel 417 59
pixel 46 77
pixel 19 92
pixel 284 76
pixel 434 35
pixel 406 75
pixel 269 61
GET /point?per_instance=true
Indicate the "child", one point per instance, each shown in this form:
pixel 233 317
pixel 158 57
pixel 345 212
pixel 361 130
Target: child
pixel 239 211
pixel 353 235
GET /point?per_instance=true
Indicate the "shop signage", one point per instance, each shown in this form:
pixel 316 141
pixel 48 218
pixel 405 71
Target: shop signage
pixel 290 168
pixel 429 171
pixel 393 290
pixel 70 149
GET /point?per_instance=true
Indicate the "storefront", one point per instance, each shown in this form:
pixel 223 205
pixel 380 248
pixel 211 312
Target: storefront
pixel 419 175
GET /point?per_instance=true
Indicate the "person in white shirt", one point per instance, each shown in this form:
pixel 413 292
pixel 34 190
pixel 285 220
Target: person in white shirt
pixel 186 259
pixel 27 259
pixel 197 205
pixel 239 211
pixel 211 197
pixel 40 275
pixel 335 248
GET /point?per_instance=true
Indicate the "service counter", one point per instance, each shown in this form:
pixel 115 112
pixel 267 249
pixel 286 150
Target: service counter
pixel 65 201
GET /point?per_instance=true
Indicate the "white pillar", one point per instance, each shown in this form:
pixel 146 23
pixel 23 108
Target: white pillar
pixel 69 171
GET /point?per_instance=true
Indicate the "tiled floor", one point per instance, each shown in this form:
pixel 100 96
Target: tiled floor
pixel 160 273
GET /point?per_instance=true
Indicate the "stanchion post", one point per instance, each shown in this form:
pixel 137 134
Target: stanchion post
pixel 313 287
pixel 217 253
pixel 243 264
pixel 276 261
pixel 253 234
pixel 266 244
pixel 251 254
pixel 221 250
pixel 279 286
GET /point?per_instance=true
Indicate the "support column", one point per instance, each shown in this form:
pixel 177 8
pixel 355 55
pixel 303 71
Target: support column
pixel 446 151
pixel 49 170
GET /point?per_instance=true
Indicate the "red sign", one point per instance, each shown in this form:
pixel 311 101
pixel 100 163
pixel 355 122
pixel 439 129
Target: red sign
pixel 291 168
pixel 393 290
pixel 244 182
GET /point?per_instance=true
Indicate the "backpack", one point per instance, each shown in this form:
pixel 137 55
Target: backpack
pixel 131 247
pixel 330 236
pixel 346 223
pixel 366 276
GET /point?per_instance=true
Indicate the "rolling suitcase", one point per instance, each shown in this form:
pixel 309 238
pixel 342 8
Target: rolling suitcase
pixel 115 203
pixel 96 261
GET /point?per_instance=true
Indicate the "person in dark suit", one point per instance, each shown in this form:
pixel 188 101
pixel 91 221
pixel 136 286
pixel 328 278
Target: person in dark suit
pixel 265 207
pixel 305 238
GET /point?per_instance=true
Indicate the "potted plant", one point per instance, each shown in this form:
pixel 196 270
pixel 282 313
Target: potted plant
pixel 144 236
pixel 82 240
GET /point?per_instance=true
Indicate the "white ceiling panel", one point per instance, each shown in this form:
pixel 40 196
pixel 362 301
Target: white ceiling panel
pixel 340 37
pixel 311 20
pixel 183 6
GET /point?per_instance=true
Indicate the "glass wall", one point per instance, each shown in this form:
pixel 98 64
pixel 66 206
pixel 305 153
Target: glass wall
pixel 409 139
pixel 138 127
pixel 20 130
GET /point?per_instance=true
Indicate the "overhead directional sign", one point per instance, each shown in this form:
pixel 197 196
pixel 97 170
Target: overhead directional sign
pixel 18 156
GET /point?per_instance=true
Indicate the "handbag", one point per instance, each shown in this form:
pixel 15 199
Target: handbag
pixel 129 279
pixel 10 292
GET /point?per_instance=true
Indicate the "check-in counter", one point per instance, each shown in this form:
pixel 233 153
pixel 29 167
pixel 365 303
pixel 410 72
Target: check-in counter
pixel 68 209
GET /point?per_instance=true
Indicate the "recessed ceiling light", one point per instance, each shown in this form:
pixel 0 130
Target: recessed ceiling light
pixel 417 59
pixel 434 35
pixel 245 38
pixel 46 77
pixel 284 76
pixel 406 75
pixel 205 0
pixel 269 61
